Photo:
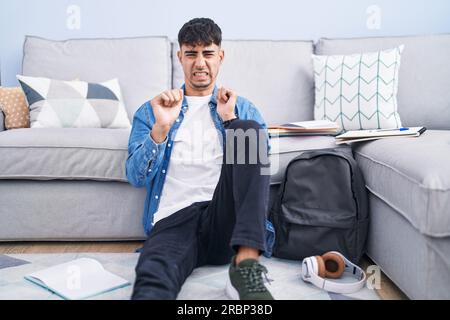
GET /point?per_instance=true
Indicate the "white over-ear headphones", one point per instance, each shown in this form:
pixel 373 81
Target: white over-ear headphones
pixel 332 265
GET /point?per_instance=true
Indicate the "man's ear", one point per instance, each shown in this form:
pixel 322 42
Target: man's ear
pixel 179 55
pixel 221 55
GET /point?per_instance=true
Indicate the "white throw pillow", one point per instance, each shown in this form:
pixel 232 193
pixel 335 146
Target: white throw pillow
pixel 358 91
pixel 74 104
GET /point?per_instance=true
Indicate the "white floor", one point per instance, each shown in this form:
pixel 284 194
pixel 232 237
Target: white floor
pixel 204 283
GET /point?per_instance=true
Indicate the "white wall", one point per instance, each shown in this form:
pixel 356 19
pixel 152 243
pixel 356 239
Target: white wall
pixel 239 19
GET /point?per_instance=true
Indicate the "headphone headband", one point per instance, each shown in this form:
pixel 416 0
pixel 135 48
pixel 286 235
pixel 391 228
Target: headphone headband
pixel 309 274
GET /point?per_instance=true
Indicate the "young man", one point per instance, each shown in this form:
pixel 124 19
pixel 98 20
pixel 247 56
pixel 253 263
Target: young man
pixel 206 199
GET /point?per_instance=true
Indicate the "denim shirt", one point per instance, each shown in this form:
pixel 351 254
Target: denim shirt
pixel 147 161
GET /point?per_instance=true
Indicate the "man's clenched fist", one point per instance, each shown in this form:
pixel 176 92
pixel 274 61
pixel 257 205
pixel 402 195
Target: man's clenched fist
pixel 226 101
pixel 166 108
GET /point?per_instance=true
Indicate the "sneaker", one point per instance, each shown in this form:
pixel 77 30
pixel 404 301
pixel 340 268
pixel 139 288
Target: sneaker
pixel 245 281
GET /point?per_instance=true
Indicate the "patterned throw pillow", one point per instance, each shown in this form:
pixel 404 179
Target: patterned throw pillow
pixel 358 91
pixel 74 104
pixel 14 107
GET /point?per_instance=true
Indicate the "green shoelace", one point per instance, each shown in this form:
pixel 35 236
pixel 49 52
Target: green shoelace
pixel 252 277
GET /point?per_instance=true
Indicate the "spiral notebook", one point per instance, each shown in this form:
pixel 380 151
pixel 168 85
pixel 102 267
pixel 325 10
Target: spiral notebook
pixel 367 135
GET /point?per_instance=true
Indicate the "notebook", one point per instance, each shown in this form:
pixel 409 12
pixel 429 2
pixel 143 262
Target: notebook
pixel 77 279
pixel 367 135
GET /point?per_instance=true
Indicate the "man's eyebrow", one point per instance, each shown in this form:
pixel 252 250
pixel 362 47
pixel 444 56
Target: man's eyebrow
pixel 204 51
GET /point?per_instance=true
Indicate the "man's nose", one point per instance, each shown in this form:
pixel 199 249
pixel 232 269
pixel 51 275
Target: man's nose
pixel 200 62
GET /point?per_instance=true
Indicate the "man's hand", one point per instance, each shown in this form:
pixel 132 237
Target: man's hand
pixel 166 108
pixel 226 101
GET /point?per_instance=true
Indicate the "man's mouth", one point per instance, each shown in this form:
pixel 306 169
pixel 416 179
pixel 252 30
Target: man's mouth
pixel 200 74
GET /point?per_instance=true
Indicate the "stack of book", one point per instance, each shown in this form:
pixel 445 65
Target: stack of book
pixel 304 128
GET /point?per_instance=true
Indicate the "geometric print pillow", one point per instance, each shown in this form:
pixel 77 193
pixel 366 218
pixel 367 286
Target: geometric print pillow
pixel 74 104
pixel 358 91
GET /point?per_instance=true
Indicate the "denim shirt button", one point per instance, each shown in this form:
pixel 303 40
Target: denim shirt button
pixel 149 170
pixel 154 151
pixel 164 171
pixel 169 145
pixel 178 120
pixel 156 197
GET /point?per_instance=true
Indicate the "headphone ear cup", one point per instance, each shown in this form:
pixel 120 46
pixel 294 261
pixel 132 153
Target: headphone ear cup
pixel 321 271
pixel 333 264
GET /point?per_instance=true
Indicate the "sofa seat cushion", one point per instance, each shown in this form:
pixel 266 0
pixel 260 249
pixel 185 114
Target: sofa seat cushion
pixel 64 153
pixel 100 154
pixel 284 149
pixel 412 175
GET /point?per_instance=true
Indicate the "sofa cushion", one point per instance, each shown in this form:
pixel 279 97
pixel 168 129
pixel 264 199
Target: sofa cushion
pixel 74 104
pixel 13 104
pixel 100 154
pixel 412 175
pixel 424 77
pixel 277 76
pixel 141 64
pixel 358 91
pixel 64 153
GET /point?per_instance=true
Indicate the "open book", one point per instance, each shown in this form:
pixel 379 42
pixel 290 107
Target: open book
pixel 77 279
pixel 314 127
pixel 366 135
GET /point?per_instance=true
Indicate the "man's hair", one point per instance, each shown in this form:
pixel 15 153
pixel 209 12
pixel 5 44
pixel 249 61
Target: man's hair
pixel 200 31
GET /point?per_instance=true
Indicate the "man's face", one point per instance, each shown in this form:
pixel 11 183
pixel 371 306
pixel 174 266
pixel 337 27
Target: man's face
pixel 200 65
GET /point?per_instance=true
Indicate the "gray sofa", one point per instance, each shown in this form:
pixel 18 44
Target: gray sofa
pixel 70 184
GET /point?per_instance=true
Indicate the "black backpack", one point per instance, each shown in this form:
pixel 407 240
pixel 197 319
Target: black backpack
pixel 322 205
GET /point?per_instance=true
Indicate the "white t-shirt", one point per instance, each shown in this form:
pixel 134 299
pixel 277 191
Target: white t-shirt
pixel 195 162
